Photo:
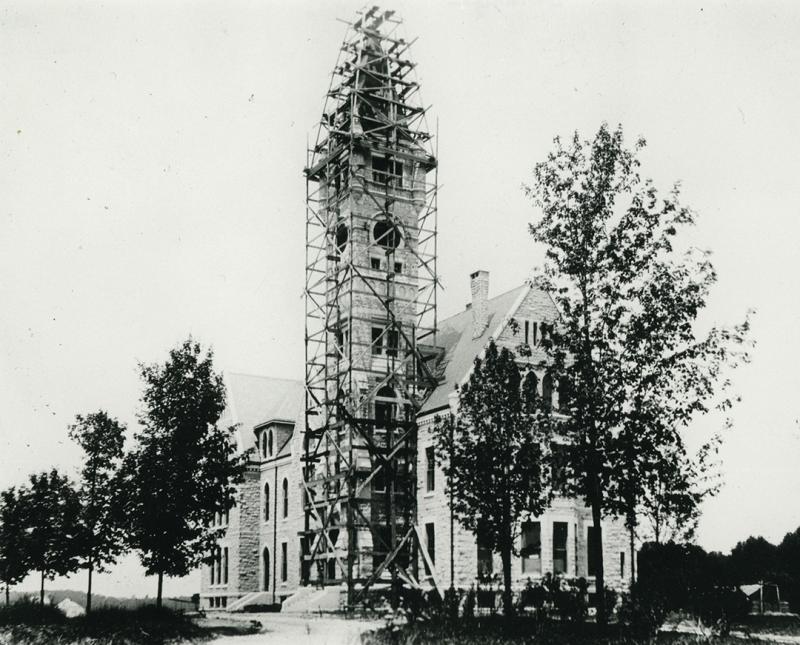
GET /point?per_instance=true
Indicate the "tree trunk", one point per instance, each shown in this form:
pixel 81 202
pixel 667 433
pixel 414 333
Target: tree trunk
pixel 89 588
pixel 41 590
pixel 505 556
pixel 597 516
pixel 160 589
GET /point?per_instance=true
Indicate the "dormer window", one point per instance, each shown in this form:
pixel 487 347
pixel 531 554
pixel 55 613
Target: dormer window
pixel 269 443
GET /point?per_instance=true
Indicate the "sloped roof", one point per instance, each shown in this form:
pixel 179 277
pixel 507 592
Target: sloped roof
pixel 460 348
pixel 253 400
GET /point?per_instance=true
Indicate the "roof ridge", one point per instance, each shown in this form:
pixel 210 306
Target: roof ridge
pixel 262 376
pixel 499 295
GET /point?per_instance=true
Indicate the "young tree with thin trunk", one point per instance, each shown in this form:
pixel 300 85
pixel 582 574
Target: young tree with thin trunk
pixel 493 453
pixel 184 468
pixel 102 439
pixel 52 513
pixel 13 558
pixel 628 301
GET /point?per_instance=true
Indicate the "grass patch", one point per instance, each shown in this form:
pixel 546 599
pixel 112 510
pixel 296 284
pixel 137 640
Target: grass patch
pixel 30 624
pixel 494 630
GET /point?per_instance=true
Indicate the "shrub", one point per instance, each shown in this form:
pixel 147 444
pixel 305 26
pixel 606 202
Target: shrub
pixel 642 612
pixel 470 600
pixel 28 612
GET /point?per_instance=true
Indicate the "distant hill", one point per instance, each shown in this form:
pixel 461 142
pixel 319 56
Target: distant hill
pixel 99 600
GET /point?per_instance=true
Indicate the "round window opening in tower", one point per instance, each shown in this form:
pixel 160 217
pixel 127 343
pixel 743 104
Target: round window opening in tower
pixel 342 235
pixel 386 234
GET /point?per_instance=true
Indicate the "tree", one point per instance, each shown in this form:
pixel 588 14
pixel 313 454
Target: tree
pixel 52 510
pixel 13 559
pixel 493 454
pixel 102 531
pixel 626 340
pixel 678 486
pixel 184 467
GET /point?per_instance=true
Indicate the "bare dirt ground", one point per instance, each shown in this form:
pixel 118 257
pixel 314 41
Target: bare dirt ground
pixel 299 630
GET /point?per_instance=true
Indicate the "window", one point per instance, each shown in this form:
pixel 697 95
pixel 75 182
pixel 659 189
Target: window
pixel 266 502
pixel 375 263
pixel 430 469
pixel 285 498
pixel 527 331
pixel 385 406
pixel 564 393
pixel 377 341
pixel 224 601
pixel 211 573
pixel 384 170
pixel 218 564
pixel 531 547
pixel 284 562
pixel 264 444
pixel 392 343
pixel 622 564
pixel 227 517
pixel 343 341
pixel 331 573
pixel 225 566
pixel 386 234
pixel 485 564
pixel 398 267
pixel 560 547
pixel 269 443
pixel 266 569
pixel 547 391
pixel 430 541
pixel 591 545
pixel 342 235
pixel 534 339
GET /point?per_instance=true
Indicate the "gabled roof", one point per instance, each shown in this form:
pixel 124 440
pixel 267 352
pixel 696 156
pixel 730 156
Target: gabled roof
pixel 460 348
pixel 254 400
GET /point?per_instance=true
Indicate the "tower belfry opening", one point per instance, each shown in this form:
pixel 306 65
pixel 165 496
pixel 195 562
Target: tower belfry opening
pixel 370 293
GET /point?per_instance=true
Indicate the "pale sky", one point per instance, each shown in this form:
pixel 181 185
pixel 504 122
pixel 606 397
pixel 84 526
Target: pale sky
pixel 151 187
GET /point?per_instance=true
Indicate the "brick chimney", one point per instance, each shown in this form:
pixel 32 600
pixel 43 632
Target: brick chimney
pixel 479 286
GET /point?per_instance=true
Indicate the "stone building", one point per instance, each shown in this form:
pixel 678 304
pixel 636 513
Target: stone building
pixel 260 561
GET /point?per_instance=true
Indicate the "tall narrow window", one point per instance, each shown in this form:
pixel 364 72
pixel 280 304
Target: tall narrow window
pixel 531 547
pixel 430 469
pixel 284 562
pixel 547 391
pixel 266 502
pixel 527 331
pixel 560 547
pixel 211 572
pixel 264 444
pixel 392 343
pixel 485 564
pixel 225 566
pixel 430 541
pixel 377 341
pixel 622 564
pixel 534 339
pixel 266 569
pixel 285 497
pixel 219 565
pixel 591 545
pixel 269 443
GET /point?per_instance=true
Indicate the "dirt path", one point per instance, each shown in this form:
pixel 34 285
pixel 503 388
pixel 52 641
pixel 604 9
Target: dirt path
pixel 302 630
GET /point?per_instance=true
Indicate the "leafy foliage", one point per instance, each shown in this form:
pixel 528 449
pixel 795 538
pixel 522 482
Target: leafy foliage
pixel 184 468
pixel 626 341
pixel 492 454
pixel 102 529
pixel 52 511
pixel 13 559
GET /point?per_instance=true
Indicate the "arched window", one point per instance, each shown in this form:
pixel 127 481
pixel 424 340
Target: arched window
pixel 547 391
pixel 218 564
pixel 385 406
pixel 530 385
pixel 269 443
pixel 564 393
pixel 266 569
pixel 285 497
pixel 264 444
pixel 266 502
